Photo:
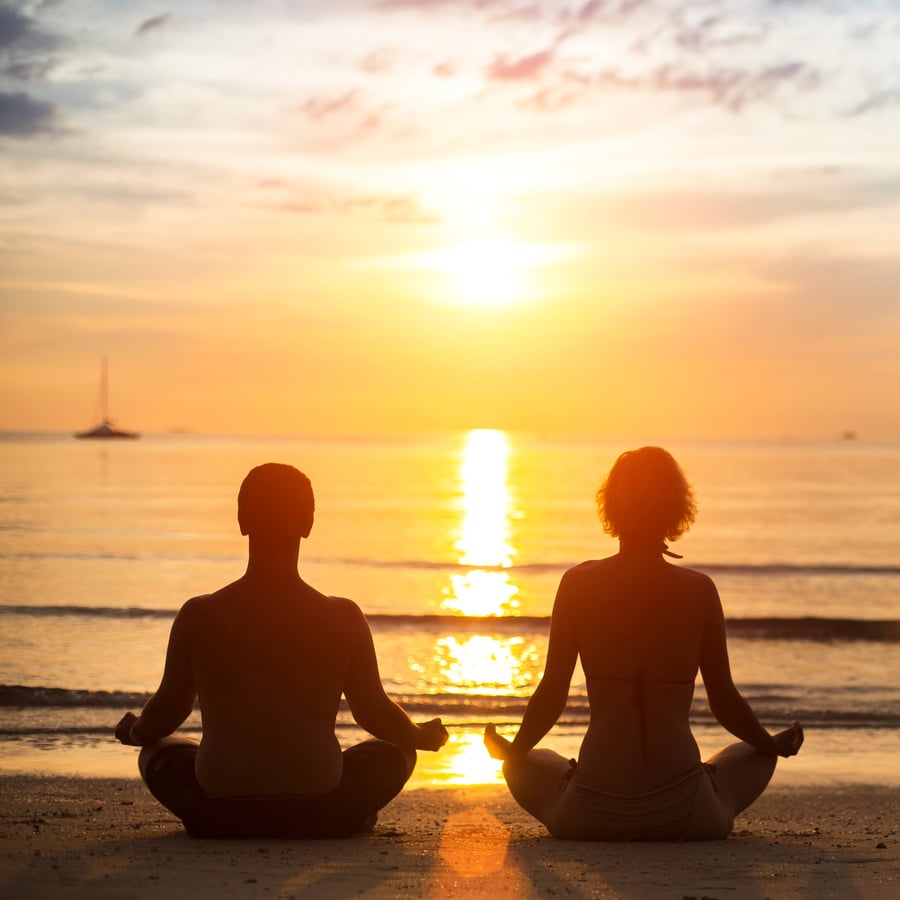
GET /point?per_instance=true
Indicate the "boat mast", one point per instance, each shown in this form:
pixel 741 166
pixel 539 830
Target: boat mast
pixel 104 399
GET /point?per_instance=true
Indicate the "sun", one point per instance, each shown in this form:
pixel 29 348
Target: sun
pixel 487 272
pixel 484 273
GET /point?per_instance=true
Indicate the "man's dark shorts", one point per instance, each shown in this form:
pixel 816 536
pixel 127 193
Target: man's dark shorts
pixel 374 773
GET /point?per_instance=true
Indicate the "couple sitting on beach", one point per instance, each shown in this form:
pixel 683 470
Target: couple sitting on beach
pixel 270 659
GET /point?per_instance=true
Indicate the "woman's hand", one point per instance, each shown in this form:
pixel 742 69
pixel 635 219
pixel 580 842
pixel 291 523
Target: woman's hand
pixel 789 741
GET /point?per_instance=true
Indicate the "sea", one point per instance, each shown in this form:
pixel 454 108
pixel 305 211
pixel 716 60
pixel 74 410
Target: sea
pixel 453 546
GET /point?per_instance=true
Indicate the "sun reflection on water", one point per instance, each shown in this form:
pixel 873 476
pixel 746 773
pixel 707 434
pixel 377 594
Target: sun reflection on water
pixel 464 760
pixel 486 665
pixel 482 664
pixel 484 540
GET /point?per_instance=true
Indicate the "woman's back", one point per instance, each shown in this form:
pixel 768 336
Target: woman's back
pixel 639 625
pixel 642 629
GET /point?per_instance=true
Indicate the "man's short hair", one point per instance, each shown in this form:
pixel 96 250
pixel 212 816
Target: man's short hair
pixel 276 501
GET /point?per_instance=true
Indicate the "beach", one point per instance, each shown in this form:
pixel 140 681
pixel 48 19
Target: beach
pixel 107 838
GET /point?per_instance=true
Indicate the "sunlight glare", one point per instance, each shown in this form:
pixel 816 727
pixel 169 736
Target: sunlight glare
pixel 480 593
pixel 485 273
pixel 484 539
pixel 485 665
pixel 468 762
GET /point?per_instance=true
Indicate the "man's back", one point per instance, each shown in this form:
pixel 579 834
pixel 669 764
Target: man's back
pixel 269 659
pixel 269 668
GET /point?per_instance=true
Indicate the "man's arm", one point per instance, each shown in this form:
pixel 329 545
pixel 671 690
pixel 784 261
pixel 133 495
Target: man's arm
pixel 174 700
pixel 370 705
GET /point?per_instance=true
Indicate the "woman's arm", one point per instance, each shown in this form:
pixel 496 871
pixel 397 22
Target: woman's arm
pixel 726 703
pixel 551 695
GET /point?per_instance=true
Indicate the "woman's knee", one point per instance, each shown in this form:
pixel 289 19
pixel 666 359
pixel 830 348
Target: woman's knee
pixel 536 780
pixel 710 819
pixel 740 773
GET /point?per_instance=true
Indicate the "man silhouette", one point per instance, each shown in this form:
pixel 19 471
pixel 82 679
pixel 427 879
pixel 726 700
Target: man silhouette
pixel 269 658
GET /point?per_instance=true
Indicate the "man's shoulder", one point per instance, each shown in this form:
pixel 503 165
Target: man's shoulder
pixel 342 606
pixel 213 596
pixel 196 605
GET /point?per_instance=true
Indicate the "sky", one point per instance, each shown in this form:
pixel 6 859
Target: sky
pixel 609 218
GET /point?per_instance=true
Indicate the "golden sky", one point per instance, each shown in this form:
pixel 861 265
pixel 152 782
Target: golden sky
pixel 621 218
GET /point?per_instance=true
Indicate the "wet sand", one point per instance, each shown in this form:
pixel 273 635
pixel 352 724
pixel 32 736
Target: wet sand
pixel 107 838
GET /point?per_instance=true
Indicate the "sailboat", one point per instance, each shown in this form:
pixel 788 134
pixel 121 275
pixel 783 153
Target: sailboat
pixel 106 430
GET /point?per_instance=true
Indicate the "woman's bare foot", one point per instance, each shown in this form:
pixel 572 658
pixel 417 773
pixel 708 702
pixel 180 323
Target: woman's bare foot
pixel 498 747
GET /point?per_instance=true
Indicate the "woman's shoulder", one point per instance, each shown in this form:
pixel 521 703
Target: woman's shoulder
pixel 587 568
pixel 588 574
pixel 694 575
pixel 595 572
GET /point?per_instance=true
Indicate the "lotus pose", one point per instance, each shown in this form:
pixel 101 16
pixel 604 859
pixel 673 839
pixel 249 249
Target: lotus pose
pixel 269 658
pixel 642 628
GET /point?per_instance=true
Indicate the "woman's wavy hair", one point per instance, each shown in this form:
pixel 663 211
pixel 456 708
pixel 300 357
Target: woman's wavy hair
pixel 646 497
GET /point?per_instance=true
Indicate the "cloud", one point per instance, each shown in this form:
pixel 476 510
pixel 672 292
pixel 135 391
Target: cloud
pixel 13 26
pixel 379 62
pixel 343 115
pixel 18 32
pixel 319 108
pixel 21 46
pixel 876 101
pixel 606 11
pixel 394 209
pixel 21 116
pixel 30 69
pixel 731 88
pixel 148 26
pixel 525 68
pixel 734 88
pixel 715 32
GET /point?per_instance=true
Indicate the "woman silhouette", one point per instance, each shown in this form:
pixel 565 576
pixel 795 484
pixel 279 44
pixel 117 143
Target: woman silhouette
pixel 643 628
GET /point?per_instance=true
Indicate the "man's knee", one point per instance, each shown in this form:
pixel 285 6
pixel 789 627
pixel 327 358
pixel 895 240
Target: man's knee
pixel 149 751
pixel 409 758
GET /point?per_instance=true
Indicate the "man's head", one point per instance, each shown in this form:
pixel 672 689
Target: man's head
pixel 275 503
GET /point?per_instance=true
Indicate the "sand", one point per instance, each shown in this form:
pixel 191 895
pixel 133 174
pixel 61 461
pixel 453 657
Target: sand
pixel 107 838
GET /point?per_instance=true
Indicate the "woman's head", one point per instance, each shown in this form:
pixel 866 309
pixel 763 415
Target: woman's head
pixel 646 497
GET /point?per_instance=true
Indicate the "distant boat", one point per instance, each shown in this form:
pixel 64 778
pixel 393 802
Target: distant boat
pixel 106 430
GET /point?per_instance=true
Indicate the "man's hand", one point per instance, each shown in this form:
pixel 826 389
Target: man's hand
pixel 123 730
pixel 432 735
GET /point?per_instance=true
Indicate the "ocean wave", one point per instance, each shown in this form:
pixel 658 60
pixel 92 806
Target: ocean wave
pixel 25 697
pixel 799 628
pixel 764 570
pixel 839 708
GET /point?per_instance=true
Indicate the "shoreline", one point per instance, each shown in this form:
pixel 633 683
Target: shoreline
pixel 830 756
pixel 108 838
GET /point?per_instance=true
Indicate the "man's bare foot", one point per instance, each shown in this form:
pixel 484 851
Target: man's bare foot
pixel 498 747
